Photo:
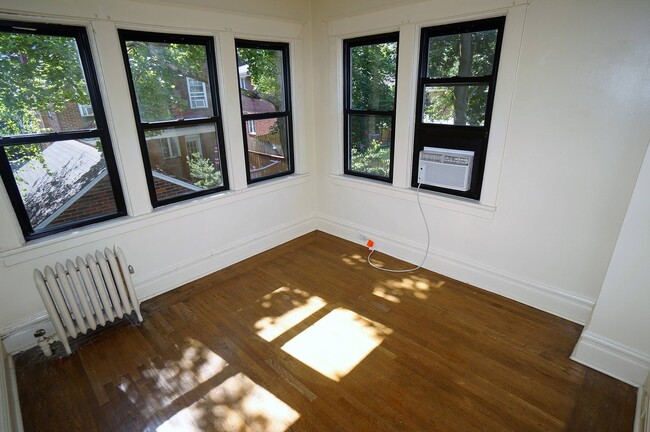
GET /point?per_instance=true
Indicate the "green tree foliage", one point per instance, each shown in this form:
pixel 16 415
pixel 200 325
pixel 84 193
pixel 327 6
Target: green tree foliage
pixel 158 70
pixel 374 160
pixel 265 68
pixel 373 69
pixel 459 55
pixel 38 73
pixel 204 173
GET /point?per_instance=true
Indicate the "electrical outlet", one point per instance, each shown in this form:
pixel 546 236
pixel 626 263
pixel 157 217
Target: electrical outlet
pixel 363 237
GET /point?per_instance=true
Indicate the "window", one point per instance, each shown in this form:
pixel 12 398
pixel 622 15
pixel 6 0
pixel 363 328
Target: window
pixel 251 127
pixel 458 71
pixel 166 115
pixel 196 91
pixel 170 147
pixel 56 161
pixel 370 70
pixel 266 108
pixel 86 110
pixel 193 145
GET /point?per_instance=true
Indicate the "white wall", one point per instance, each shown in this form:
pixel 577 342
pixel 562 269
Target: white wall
pixel 173 244
pixel 561 170
pixel 617 338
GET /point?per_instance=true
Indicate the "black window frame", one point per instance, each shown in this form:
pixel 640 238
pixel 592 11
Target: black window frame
pixel 287 113
pixel 456 137
pixel 101 131
pixel 348 44
pixel 208 41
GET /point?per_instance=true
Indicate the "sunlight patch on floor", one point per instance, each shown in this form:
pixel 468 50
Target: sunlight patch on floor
pixel 412 286
pixel 196 365
pixel 237 404
pixel 337 343
pixel 270 327
pixel 381 292
pixel 353 259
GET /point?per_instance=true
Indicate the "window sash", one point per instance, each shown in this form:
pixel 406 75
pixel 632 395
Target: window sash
pixel 285 114
pixel 349 112
pixel 198 96
pixel 99 132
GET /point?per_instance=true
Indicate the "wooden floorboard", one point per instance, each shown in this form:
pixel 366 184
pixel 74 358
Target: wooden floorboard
pixel 308 337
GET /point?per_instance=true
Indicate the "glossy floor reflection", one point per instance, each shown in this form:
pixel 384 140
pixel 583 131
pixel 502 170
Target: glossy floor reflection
pixel 308 337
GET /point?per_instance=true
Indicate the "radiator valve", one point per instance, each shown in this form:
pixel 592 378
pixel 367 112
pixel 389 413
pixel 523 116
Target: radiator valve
pixel 44 342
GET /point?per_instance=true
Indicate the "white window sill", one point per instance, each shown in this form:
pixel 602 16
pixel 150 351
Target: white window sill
pixel 427 198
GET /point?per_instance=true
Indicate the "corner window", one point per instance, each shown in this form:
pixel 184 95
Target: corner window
pixel 173 86
pixel 458 71
pixel 263 69
pixel 370 70
pixel 56 158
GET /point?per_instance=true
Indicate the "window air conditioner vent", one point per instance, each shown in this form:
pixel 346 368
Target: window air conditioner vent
pixel 450 169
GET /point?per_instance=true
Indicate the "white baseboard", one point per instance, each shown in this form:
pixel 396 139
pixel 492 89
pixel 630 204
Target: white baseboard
pixel 155 284
pixel 549 299
pixel 20 336
pixel 612 358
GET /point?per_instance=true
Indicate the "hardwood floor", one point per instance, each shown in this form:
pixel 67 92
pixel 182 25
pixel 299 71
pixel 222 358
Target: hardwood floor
pixel 308 337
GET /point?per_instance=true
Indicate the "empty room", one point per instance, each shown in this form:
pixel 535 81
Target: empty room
pixel 324 215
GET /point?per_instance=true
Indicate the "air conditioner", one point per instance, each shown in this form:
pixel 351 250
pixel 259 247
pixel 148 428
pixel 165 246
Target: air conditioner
pixel 450 169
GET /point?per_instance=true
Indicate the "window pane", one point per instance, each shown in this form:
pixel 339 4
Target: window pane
pixel 184 160
pixel 261 80
pixel 62 181
pixel 42 85
pixel 463 55
pixel 455 105
pixel 170 79
pixel 370 142
pixel 267 143
pixel 373 69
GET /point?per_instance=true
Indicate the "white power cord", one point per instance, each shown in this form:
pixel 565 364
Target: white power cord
pixel 426 252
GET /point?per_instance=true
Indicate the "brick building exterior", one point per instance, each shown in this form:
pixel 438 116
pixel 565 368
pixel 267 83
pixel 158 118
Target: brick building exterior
pixel 97 201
